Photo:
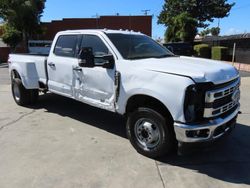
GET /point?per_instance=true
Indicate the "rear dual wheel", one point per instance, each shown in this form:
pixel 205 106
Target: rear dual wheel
pixel 21 95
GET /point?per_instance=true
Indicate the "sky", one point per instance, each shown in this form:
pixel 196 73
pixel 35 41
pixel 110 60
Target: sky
pixel 237 22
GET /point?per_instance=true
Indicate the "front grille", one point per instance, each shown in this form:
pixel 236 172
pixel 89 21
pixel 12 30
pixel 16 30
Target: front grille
pixel 221 100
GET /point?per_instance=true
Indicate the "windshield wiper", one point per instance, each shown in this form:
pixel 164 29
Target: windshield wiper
pixel 165 55
pixel 146 57
pixel 139 57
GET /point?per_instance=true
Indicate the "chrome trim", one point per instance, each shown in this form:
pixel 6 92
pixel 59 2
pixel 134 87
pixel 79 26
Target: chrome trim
pixel 208 112
pixel 210 95
pixel 212 125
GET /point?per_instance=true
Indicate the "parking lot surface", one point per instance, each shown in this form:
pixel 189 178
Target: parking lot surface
pixel 64 143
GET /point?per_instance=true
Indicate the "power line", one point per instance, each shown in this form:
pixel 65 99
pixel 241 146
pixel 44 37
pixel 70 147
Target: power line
pixel 145 12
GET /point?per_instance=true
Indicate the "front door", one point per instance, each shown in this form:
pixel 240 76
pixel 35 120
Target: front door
pixel 96 84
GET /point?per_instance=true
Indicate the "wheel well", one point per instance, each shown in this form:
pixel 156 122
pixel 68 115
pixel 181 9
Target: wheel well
pixel 137 101
pixel 14 74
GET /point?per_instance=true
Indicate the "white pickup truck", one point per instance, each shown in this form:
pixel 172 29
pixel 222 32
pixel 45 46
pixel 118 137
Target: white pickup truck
pixel 166 98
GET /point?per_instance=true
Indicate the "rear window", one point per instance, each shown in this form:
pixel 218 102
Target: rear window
pixel 66 46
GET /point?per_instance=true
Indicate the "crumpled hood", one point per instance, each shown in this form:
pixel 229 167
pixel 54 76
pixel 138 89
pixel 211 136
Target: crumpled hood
pixel 199 69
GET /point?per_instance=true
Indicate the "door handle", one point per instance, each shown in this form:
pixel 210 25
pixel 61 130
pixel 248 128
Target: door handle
pixel 51 64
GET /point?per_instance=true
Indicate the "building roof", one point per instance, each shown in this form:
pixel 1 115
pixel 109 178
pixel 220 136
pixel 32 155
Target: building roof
pixel 228 37
pixel 137 23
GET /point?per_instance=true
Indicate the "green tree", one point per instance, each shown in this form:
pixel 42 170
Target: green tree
pixel 11 36
pixel 215 31
pixel 205 32
pixel 200 11
pixel 23 15
pixel 183 28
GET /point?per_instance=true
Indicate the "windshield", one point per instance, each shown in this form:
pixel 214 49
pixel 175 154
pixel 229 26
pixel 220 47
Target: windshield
pixel 138 46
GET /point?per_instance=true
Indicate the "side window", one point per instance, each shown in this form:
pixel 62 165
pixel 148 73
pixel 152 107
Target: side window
pixel 99 48
pixel 66 45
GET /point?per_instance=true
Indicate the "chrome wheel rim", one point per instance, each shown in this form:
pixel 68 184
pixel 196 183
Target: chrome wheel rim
pixel 147 133
pixel 16 92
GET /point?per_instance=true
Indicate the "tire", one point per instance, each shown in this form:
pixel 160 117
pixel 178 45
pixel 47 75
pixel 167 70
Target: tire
pixel 13 76
pixel 21 95
pixel 150 133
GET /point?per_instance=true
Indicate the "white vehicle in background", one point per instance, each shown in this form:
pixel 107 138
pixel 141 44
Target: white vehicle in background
pixel 39 46
pixel 164 97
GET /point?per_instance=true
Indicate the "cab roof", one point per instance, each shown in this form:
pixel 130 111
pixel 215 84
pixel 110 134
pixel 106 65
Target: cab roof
pixel 107 31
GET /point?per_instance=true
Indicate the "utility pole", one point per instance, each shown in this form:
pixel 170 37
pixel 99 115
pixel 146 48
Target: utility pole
pixel 219 32
pixel 145 12
pixel 97 17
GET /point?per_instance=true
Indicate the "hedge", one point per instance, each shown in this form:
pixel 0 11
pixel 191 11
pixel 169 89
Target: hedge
pixel 202 50
pixel 220 53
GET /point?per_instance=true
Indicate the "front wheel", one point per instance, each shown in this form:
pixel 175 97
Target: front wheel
pixel 150 133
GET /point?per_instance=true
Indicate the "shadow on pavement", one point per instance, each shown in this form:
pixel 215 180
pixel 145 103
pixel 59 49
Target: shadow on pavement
pixel 92 116
pixel 228 160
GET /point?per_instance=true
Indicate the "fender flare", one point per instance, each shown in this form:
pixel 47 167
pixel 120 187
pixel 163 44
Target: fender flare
pixel 28 82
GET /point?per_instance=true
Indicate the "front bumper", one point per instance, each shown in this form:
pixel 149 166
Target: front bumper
pixel 208 131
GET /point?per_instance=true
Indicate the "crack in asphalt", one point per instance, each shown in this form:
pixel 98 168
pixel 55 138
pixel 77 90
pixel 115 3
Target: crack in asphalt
pixel 159 173
pixel 18 119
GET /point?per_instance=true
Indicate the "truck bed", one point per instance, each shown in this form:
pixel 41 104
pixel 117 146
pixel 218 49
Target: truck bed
pixel 32 66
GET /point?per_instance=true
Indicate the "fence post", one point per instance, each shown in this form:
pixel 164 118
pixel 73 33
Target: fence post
pixel 233 58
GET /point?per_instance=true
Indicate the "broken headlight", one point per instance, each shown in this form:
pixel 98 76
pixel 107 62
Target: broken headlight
pixel 194 103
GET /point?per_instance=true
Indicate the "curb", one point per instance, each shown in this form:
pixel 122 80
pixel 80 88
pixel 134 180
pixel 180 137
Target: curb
pixel 4 65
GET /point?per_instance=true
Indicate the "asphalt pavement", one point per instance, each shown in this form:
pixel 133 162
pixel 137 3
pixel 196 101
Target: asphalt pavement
pixel 64 143
pixel 4 74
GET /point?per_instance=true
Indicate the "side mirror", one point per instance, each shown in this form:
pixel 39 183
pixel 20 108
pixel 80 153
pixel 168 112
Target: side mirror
pixel 86 57
pixel 108 61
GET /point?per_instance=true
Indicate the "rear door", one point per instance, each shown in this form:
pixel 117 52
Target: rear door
pixel 60 64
